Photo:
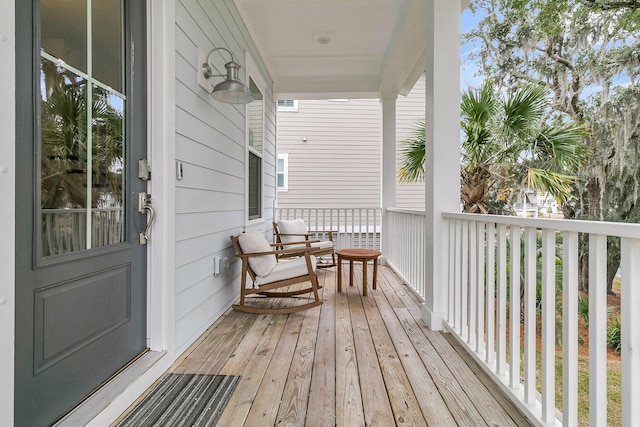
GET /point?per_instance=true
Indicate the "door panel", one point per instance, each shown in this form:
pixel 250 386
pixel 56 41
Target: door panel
pixel 80 270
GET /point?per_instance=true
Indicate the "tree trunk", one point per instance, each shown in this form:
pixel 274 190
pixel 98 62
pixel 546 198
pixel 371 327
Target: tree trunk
pixel 474 189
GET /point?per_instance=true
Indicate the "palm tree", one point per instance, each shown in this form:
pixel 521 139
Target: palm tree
pixel 508 142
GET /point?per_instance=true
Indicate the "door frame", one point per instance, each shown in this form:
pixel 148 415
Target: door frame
pixel 7 211
pixel 161 80
pixel 161 248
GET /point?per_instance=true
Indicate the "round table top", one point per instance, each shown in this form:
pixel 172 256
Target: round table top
pixel 358 253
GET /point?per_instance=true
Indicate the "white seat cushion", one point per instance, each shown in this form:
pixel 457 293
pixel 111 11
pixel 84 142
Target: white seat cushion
pixel 252 241
pixel 295 226
pixel 287 269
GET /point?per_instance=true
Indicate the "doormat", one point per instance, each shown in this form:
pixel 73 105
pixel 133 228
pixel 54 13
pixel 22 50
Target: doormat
pixel 183 400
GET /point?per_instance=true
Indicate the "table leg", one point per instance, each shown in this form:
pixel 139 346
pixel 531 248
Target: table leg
pixel 350 272
pixel 375 272
pixel 364 277
pixel 339 274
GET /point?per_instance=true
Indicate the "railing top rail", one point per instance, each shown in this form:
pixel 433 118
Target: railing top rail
pixel 80 210
pixel 406 211
pixel 618 229
pixel 317 208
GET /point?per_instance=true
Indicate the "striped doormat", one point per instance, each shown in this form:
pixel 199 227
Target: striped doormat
pixel 183 400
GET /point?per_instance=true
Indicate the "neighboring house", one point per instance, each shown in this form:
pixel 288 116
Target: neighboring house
pixel 76 313
pixel 329 152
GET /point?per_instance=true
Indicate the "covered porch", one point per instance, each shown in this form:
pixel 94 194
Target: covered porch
pixel 353 361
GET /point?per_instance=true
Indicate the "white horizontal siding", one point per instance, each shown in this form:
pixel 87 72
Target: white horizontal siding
pixel 210 143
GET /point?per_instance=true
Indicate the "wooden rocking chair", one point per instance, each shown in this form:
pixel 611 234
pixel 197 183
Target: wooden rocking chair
pixel 295 233
pixel 267 273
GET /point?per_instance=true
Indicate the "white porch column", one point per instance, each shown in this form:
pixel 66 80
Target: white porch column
pixel 442 164
pixel 388 173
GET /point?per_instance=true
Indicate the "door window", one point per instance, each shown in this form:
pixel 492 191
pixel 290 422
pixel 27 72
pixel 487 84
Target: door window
pixel 82 126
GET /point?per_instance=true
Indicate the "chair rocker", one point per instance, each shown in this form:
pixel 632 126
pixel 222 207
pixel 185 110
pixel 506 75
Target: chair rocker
pixel 268 273
pixel 295 234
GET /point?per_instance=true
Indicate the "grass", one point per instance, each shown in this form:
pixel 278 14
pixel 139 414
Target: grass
pixel 614 384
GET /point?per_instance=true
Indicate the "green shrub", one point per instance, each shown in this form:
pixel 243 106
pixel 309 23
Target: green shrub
pixel 583 309
pixel 613 334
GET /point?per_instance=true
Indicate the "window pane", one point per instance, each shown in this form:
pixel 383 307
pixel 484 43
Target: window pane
pixel 107 168
pixel 63 175
pixel 280 180
pixel 255 186
pixel 107 36
pixel 280 165
pixel 255 117
pixel 63 26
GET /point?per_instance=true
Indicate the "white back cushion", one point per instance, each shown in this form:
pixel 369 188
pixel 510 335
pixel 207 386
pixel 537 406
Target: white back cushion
pixel 292 226
pixel 252 241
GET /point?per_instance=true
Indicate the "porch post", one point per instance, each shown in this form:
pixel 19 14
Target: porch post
pixel 442 163
pixel 388 173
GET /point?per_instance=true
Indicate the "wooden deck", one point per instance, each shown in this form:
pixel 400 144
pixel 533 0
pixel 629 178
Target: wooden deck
pixel 353 361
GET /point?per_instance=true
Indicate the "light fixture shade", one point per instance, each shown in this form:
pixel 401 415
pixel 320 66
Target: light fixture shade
pixel 232 90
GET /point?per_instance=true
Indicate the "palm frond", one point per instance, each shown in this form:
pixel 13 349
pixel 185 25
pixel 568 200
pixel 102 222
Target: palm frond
pixel 558 185
pixel 412 155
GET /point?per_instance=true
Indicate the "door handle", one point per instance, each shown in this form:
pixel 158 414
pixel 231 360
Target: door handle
pixel 144 205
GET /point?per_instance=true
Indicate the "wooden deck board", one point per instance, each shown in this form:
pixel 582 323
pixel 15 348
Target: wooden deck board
pixel 405 405
pixel 353 361
pixel 375 399
pixel 321 408
pixel 349 407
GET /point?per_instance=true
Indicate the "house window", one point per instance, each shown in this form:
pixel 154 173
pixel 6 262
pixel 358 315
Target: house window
pixel 282 172
pixel 255 147
pixel 288 105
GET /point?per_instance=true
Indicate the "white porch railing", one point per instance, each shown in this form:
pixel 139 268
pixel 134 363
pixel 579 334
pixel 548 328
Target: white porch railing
pixel 356 227
pixel 65 230
pixel 485 273
pixel 406 245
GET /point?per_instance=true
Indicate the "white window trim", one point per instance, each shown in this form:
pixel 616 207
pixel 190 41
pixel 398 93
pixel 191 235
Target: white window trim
pixel 253 73
pixel 293 109
pixel 285 186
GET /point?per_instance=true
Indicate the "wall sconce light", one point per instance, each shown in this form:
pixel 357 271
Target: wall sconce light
pixel 231 90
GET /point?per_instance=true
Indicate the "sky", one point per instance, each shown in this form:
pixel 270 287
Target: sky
pixel 468 68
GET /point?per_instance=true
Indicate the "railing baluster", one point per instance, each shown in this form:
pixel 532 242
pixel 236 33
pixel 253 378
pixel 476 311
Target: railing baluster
pixel 452 269
pixel 530 284
pixel 548 325
pixel 597 330
pixel 501 367
pixel 630 321
pixel 473 280
pixel 514 308
pixel 570 328
pixel 491 293
pixel 464 290
pixel 457 286
pixel 480 273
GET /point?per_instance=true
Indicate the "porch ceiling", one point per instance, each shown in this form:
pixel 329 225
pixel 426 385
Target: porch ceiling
pixel 339 48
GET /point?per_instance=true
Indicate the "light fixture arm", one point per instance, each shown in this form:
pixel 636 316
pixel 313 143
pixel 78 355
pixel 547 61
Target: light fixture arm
pixel 206 67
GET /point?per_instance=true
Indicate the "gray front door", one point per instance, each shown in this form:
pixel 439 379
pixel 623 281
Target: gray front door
pixel 80 269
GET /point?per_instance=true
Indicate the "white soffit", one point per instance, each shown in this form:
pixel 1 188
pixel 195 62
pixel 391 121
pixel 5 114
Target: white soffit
pixel 338 48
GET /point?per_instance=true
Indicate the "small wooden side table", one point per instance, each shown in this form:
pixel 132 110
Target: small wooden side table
pixel 360 255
